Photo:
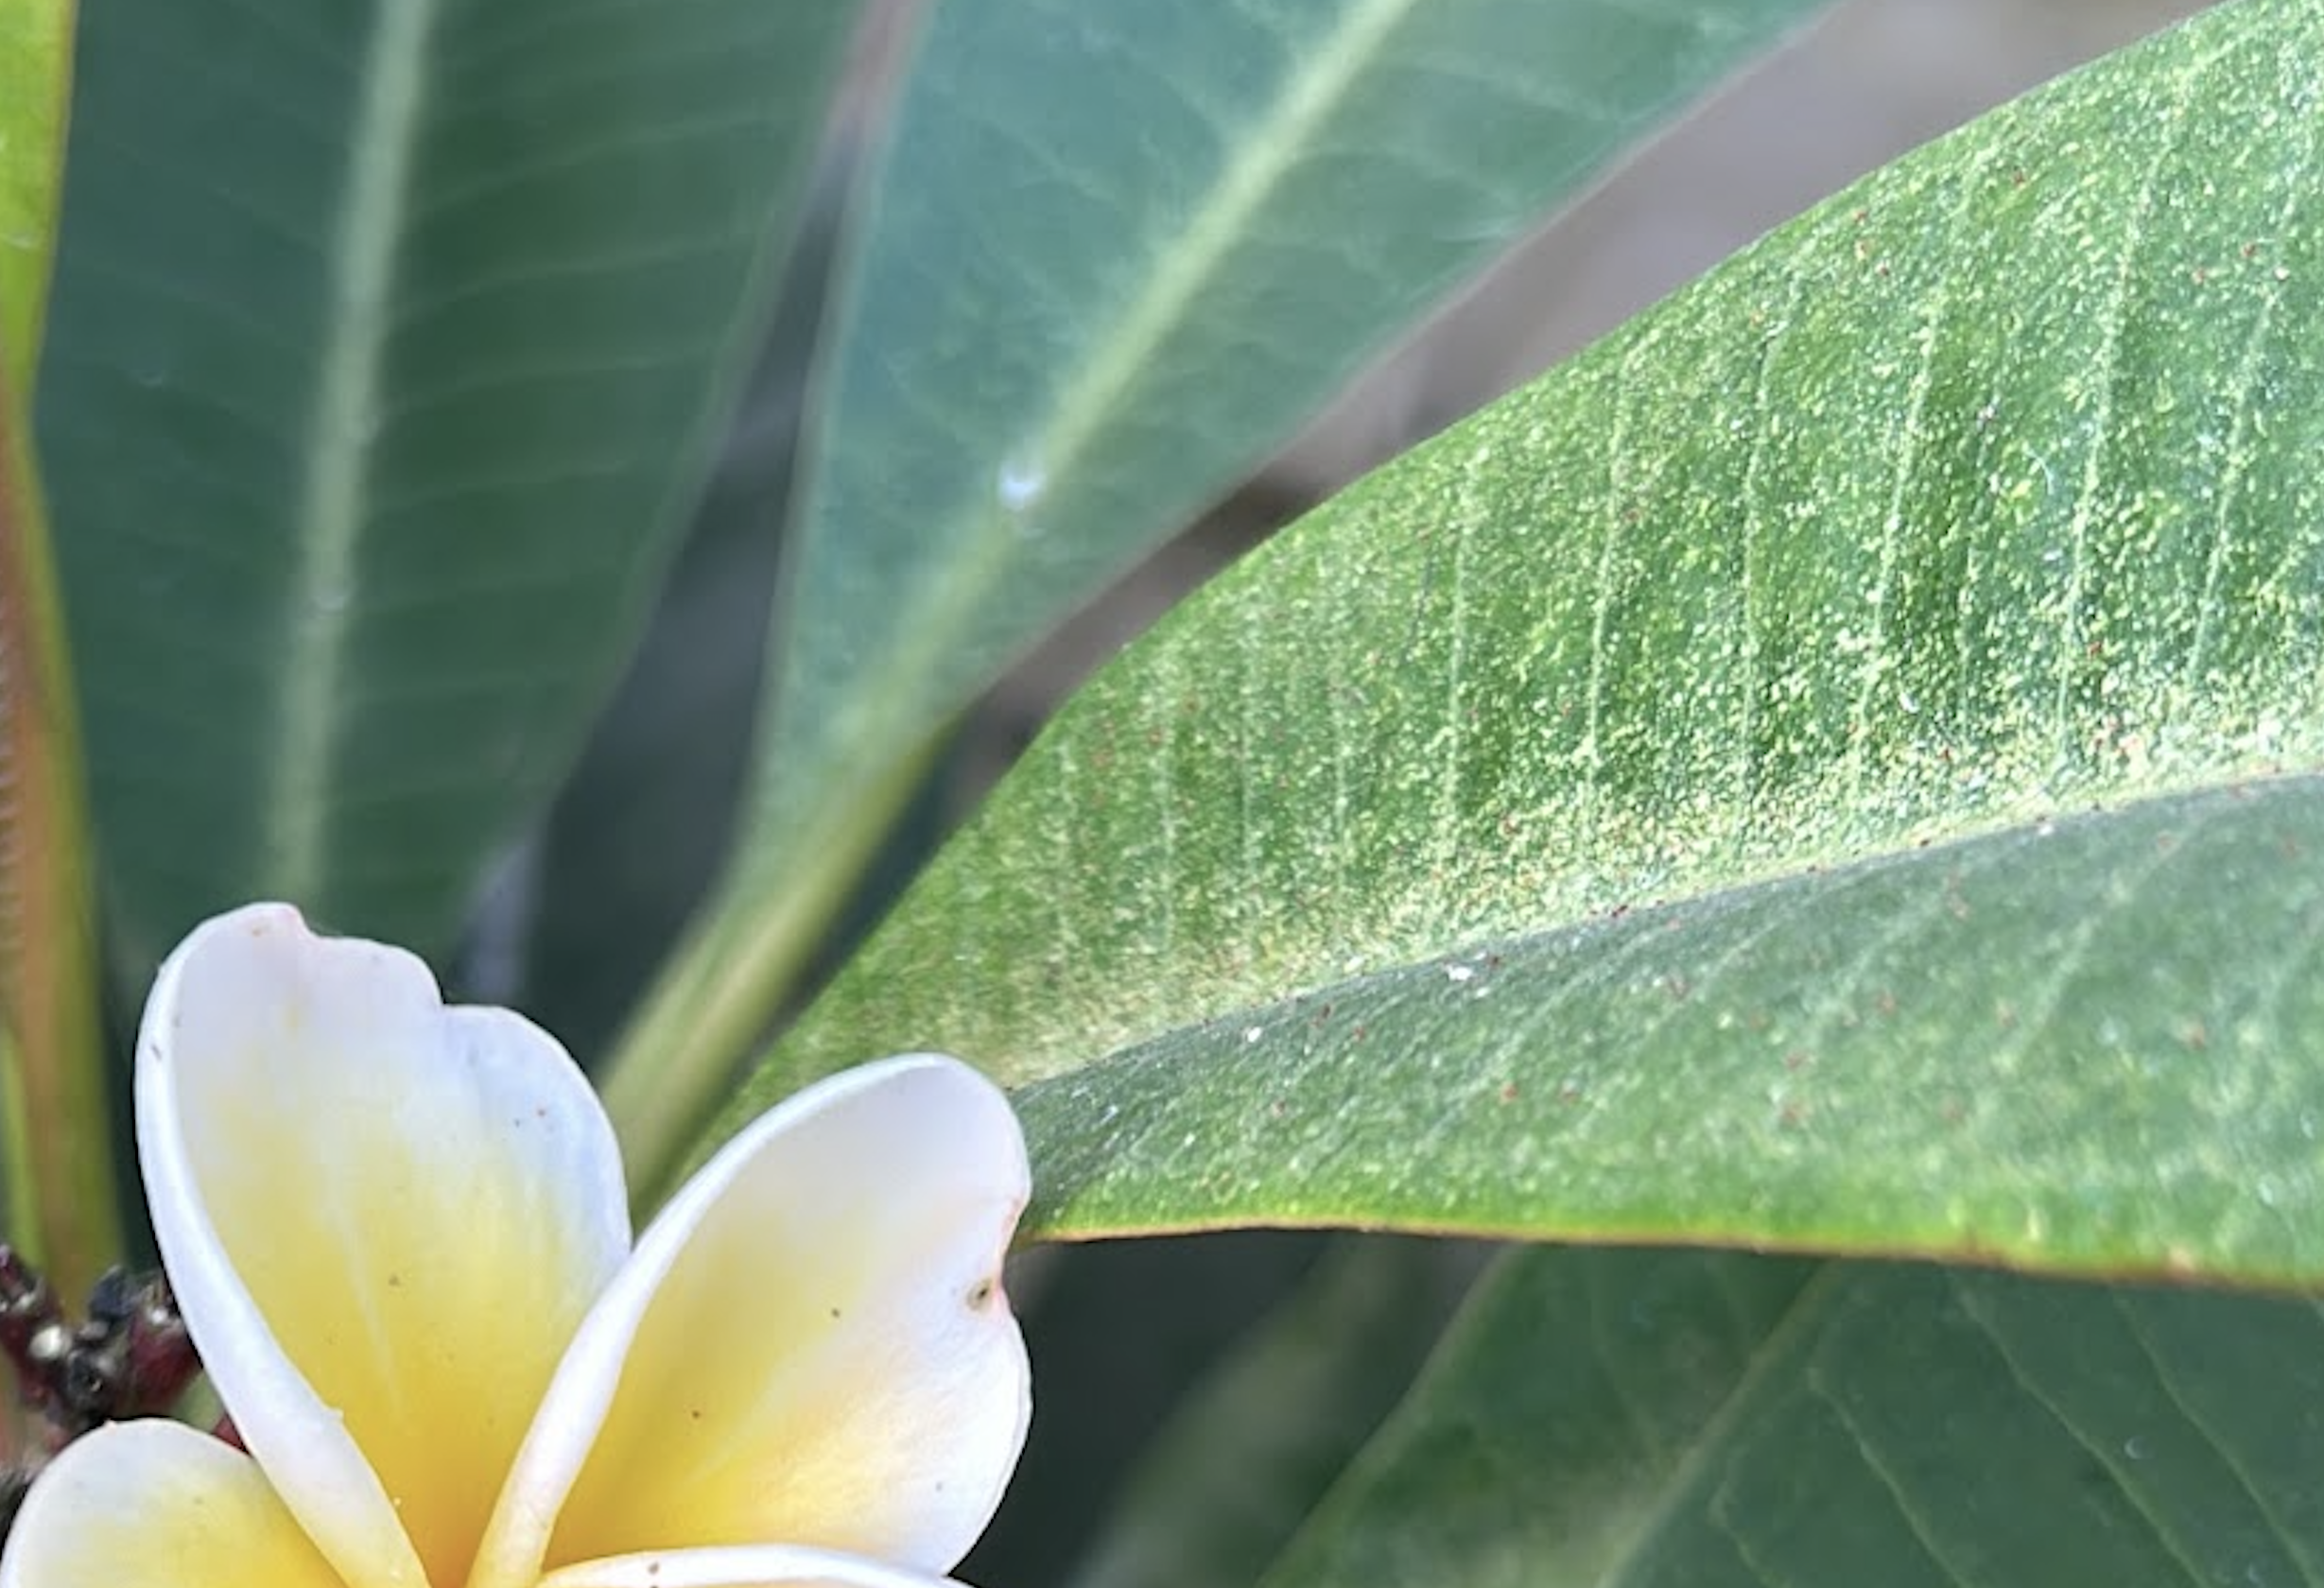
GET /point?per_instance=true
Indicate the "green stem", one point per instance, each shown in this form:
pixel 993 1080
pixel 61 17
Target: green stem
pixel 57 1128
pixel 719 994
pixel 36 93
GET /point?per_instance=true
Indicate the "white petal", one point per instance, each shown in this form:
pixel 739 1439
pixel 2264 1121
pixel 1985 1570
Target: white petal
pixel 157 1505
pixel 809 1347
pixel 777 1565
pixel 383 1219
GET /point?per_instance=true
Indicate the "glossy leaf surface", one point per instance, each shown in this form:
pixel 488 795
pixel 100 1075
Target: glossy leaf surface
pixel 388 353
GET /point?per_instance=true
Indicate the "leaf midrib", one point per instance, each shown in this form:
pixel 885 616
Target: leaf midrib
pixel 334 485
pixel 1089 400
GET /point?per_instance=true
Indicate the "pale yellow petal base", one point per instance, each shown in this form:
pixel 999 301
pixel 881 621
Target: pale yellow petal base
pixel 382 1218
pixel 810 1348
pixel 827 1358
pixel 157 1505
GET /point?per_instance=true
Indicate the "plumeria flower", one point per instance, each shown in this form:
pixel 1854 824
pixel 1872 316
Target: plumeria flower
pixel 398 1235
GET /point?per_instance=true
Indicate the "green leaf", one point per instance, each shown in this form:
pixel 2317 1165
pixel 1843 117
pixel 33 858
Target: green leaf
pixel 1112 257
pixel 35 58
pixel 2086 1045
pixel 1461 859
pixel 389 348
pixel 56 1137
pixel 1294 1401
pixel 1677 1418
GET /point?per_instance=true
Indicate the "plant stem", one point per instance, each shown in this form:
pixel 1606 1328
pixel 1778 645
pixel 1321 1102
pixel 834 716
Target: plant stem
pixel 719 993
pixel 53 1114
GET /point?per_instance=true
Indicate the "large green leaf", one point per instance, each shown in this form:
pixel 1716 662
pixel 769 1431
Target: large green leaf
pixel 1645 1419
pixel 1988 492
pixel 1111 256
pixel 391 340
pixel 36 54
